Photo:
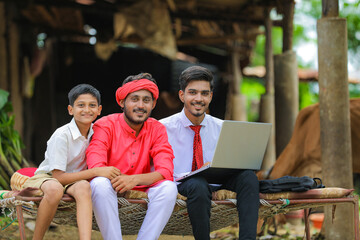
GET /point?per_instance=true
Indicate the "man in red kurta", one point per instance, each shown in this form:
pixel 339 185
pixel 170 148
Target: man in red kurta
pixel 138 146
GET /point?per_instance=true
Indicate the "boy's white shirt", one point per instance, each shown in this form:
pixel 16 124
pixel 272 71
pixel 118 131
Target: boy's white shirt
pixel 66 150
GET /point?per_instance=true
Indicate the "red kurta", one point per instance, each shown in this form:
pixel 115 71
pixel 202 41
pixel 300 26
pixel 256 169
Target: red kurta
pixel 114 144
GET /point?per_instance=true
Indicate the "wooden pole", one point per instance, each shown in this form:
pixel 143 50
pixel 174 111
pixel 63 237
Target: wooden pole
pixel 14 64
pixel 267 105
pixel 238 99
pixel 287 25
pixel 3 49
pixel 335 116
pixel 269 63
pixel 286 83
pixel 286 97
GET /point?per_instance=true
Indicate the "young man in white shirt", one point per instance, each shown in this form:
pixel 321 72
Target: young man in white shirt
pixel 64 167
pixel 196 90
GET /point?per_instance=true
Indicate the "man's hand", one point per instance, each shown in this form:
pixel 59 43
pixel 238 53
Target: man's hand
pixel 108 172
pixel 123 183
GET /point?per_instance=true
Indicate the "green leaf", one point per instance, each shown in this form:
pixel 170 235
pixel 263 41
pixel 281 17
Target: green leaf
pixel 3 98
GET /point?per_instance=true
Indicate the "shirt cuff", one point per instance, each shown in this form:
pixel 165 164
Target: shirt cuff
pixel 167 174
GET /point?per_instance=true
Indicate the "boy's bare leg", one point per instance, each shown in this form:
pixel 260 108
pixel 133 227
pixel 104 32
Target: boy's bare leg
pixel 81 191
pixel 53 192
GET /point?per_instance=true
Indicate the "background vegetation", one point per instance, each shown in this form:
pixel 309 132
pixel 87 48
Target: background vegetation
pixel 305 42
pixel 11 158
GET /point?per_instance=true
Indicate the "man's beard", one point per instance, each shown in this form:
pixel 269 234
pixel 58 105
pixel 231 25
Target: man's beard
pixel 132 120
pixel 196 113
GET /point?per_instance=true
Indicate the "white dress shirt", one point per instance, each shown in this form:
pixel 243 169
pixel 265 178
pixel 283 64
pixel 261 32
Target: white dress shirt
pixel 181 138
pixel 66 150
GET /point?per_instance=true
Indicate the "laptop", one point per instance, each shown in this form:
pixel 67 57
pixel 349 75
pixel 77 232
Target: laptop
pixel 241 145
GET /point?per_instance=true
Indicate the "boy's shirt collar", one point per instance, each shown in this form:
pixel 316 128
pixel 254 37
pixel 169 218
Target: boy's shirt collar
pixel 75 132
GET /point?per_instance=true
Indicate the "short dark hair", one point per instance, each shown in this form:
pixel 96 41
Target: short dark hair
pixel 147 76
pixel 195 73
pixel 83 88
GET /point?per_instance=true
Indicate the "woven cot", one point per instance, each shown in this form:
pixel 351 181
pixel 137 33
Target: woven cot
pixel 133 205
pixel 132 208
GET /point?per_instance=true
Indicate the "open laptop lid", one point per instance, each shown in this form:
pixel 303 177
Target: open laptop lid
pixel 241 145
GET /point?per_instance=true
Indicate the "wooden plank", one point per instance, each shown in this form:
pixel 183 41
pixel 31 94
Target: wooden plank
pixel 217 40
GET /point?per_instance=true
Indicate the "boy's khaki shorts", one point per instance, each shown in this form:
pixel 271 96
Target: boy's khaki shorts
pixel 37 180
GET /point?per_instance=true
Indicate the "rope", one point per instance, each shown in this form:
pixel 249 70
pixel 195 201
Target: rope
pixel 265 203
pixel 274 209
pixel 181 203
pixel 1 195
pixel 132 214
pixel 286 202
pixel 8 224
pixel 234 201
pixel 123 202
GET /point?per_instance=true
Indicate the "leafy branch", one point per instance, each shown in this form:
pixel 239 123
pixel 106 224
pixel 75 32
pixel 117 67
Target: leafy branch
pixel 11 158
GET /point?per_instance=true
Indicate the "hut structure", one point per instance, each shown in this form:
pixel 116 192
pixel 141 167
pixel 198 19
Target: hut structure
pixel 47 47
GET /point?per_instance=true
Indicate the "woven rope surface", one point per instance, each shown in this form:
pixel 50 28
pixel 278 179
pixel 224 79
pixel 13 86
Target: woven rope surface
pixel 132 214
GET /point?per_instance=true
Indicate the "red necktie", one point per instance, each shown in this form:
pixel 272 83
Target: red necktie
pixel 197 149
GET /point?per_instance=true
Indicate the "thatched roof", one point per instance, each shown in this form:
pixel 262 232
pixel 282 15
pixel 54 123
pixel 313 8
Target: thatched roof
pixel 160 25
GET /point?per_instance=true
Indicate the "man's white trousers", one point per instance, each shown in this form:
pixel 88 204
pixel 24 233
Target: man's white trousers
pixel 162 198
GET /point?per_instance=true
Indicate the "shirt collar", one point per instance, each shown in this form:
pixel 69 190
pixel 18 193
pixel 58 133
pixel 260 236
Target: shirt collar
pixel 186 122
pixel 128 129
pixel 75 132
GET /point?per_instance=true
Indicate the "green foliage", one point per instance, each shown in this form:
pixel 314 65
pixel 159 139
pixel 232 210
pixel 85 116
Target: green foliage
pixel 354 90
pixel 3 98
pixel 258 59
pixel 253 89
pixel 11 158
pixel 351 11
pixel 299 35
pixel 308 94
pixel 348 9
pixel 312 8
pixel 308 11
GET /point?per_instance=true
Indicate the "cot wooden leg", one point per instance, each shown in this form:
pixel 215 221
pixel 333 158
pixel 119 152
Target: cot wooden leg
pixel 20 217
pixel 307 225
pixel 356 217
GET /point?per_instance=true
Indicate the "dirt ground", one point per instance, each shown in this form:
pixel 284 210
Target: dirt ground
pixel 70 233
pixel 287 231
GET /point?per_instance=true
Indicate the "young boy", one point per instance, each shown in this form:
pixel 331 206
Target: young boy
pixel 64 168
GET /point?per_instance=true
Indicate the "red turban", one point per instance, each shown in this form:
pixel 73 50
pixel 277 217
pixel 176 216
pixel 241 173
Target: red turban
pixel 136 85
